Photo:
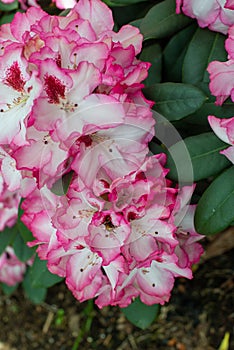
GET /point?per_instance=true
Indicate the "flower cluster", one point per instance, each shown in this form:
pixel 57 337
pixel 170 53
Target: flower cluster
pixel 71 103
pixel 217 15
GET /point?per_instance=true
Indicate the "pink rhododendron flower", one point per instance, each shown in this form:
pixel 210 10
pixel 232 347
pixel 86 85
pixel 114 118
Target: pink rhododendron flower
pixel 42 156
pixel 9 191
pixel 13 184
pixel 119 150
pixel 10 174
pixel 18 90
pixel 188 250
pixel 217 15
pixel 9 203
pixel 156 281
pixel 11 269
pixel 224 129
pixel 221 80
pixel 222 73
pixel 229 4
pixel 61 4
pixel 65 4
pixel 39 207
pixel 229 43
pixel 22 182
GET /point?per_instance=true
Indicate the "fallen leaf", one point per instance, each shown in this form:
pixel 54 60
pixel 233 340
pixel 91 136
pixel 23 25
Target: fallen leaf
pixel 225 342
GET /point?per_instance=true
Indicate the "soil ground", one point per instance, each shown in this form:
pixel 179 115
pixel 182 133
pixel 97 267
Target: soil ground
pixel 197 317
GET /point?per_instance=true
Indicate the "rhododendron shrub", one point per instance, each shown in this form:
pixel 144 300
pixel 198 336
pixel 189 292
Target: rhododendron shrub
pixel 95 184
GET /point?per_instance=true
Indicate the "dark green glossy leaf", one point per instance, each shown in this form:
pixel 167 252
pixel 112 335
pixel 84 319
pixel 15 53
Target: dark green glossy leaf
pixel 126 14
pixel 162 21
pixel 155 148
pixel 7 18
pixel 205 46
pixel 7 237
pixel 41 276
pixel 141 315
pixel 8 290
pixel 209 108
pixel 26 234
pixel 8 7
pixel 175 100
pixel 22 251
pixel 152 54
pixel 136 23
pixel 64 13
pixel 60 187
pixel 186 129
pixel 122 2
pixel 215 211
pixel 174 53
pixel 204 154
pixel 36 295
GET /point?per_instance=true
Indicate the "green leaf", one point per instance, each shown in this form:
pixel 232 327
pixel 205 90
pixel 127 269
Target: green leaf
pixel 26 234
pixel 64 13
pixel 215 211
pixel 162 21
pixel 41 276
pixel 136 23
pixel 204 155
pixel 8 290
pixel 153 54
pixel 205 46
pixel 22 251
pixel 122 2
pixel 7 18
pixel 8 7
pixel 7 237
pixel 174 53
pixel 36 295
pixel 124 15
pixel 209 108
pixel 141 315
pixel 175 100
pixel 60 187
pixel 155 148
